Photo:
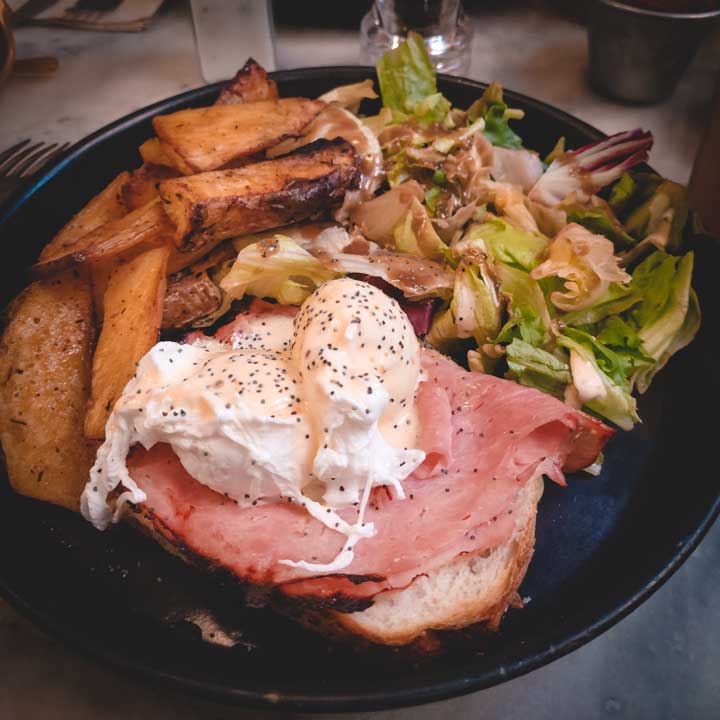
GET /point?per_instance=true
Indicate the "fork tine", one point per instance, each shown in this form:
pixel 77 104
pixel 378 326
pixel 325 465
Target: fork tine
pixel 41 162
pixel 7 167
pixel 41 154
pixel 12 150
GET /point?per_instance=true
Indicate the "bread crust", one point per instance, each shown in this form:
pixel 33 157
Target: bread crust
pixel 422 631
pixel 486 609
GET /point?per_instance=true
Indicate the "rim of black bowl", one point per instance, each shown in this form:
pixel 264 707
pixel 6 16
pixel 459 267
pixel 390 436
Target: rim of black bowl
pixel 466 681
pixel 660 14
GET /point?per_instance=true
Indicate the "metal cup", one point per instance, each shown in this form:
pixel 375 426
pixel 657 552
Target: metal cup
pixel 639 55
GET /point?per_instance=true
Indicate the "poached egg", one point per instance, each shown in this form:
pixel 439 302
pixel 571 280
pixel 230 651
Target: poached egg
pixel 316 411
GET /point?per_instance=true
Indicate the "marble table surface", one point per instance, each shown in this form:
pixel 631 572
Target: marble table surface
pixel 660 663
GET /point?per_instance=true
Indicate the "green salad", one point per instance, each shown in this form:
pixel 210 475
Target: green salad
pixel 570 273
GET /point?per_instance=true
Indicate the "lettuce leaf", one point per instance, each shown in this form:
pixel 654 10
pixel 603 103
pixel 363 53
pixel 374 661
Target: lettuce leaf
pixel 599 376
pixel 433 109
pixel 587 264
pixel 474 311
pixel 615 300
pixel 616 365
pixel 616 333
pixel 668 316
pixel 279 269
pixel 506 243
pixel 556 152
pixel 662 280
pixel 536 368
pixel 431 198
pixel 600 222
pixel 647 204
pixel 492 94
pixel 681 339
pixel 529 315
pixel 497 127
pixel 415 235
pixel 631 190
pixel 669 201
pixel 407 83
pixel 350 96
pixel 619 337
pixel 491 107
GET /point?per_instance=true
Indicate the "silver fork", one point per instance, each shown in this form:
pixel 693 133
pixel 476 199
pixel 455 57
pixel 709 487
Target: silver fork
pixel 21 161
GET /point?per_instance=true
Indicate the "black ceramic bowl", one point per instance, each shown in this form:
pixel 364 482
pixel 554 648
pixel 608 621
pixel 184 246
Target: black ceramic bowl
pixel 604 544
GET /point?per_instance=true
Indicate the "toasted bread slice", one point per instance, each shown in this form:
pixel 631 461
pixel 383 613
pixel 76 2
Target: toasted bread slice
pixel 471 590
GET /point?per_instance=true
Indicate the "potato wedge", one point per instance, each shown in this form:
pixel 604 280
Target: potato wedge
pixel 180 259
pixel 210 138
pixel 250 84
pixel 101 267
pixel 103 208
pixel 45 359
pixel 156 152
pixel 139 230
pixel 133 312
pixel 153 153
pixel 230 203
pixel 141 186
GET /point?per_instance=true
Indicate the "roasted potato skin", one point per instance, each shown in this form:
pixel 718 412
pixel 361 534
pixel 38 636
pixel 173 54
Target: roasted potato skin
pixel 133 305
pixel 250 84
pixel 229 203
pixel 141 186
pixel 113 241
pixel 204 139
pixel 45 360
pixel 156 152
pixel 105 207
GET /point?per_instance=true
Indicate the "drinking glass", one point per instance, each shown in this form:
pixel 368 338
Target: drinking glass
pixel 443 24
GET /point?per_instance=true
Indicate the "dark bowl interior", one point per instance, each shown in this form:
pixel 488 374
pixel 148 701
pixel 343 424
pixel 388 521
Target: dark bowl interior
pixel 603 544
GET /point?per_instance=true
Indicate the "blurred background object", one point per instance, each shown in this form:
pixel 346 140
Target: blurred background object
pixel 107 15
pixel 705 179
pixel 9 63
pixel 640 49
pixel 20 162
pixel 7 45
pixel 223 27
pixel 443 24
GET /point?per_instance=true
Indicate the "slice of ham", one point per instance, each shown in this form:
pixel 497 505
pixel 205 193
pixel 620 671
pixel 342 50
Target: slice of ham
pixel 484 438
pixel 258 310
pixel 246 321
